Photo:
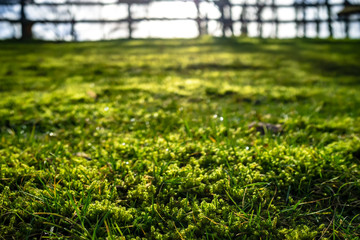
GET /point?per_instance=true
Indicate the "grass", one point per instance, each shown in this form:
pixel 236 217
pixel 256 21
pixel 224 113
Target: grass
pixel 149 139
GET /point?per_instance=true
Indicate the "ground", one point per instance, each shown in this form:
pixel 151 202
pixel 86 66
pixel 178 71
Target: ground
pixel 150 139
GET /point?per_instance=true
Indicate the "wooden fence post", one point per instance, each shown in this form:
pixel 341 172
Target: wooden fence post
pixel 73 30
pixel 26 26
pixel 317 19
pixel 260 7
pixel 222 17
pixel 243 19
pixel 206 25
pixel 198 18
pixel 304 18
pixel 275 18
pixel 230 19
pixel 346 20
pixel 129 20
pixel 297 22
pixel 329 20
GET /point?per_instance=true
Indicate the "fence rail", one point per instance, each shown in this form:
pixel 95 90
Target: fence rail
pixel 225 7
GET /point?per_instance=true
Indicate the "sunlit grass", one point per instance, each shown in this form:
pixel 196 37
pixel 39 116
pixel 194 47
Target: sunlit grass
pixel 150 139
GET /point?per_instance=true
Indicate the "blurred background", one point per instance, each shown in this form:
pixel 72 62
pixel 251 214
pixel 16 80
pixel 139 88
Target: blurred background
pixel 83 20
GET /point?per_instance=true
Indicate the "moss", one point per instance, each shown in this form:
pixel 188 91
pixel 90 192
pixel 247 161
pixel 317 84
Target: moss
pixel 149 139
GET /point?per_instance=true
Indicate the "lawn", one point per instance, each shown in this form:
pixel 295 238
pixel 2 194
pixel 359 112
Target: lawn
pixel 180 139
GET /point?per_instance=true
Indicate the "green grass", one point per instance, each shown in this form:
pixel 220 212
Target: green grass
pixel 149 139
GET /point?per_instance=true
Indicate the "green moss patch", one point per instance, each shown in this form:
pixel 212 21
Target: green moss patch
pixel 150 139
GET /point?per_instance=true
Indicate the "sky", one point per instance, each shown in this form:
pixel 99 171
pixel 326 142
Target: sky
pixel 161 29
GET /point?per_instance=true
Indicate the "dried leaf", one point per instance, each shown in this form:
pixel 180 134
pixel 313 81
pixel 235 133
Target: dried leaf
pixel 265 127
pixel 83 155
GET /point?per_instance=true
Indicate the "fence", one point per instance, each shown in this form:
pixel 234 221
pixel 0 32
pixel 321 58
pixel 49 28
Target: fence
pixel 225 7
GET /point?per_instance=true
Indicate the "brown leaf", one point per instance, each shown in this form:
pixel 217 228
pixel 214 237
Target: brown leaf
pixel 265 127
pixel 92 94
pixel 83 155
